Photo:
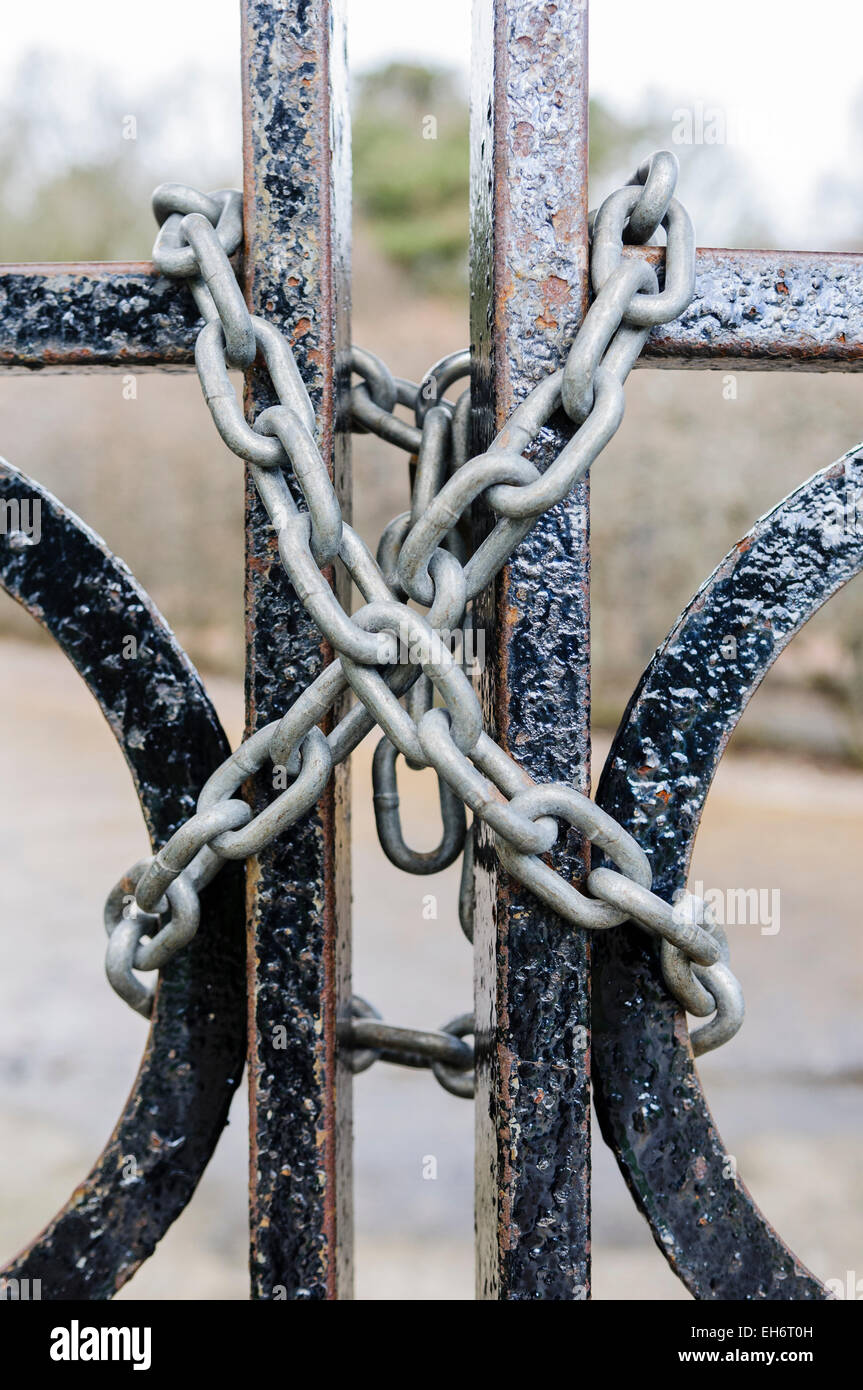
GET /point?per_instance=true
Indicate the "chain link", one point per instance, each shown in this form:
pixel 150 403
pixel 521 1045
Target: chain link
pixel 395 659
pixel 368 1039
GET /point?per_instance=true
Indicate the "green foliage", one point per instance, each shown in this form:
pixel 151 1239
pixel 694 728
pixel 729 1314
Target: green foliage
pixel 411 181
pixel 74 187
pixel 411 168
pixel 612 139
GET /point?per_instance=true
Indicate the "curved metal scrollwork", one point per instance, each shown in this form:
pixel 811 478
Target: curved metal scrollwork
pixel 651 1107
pixel 193 1061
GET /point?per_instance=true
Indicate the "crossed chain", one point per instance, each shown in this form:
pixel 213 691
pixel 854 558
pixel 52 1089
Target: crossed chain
pixel 394 658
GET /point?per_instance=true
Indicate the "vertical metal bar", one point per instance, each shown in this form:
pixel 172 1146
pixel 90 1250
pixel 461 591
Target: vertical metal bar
pixel 297 207
pixel 528 280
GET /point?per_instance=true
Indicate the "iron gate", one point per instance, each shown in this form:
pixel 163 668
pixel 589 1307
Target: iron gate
pixel 533 1045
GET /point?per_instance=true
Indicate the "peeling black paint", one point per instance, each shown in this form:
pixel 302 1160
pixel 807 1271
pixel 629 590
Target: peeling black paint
pixel 528 223
pixel 92 316
pixel 296 219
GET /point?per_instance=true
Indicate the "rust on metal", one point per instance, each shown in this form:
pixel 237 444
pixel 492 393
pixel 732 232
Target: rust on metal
pixel 296 219
pixel 528 280
pixel 764 311
pixel 753 310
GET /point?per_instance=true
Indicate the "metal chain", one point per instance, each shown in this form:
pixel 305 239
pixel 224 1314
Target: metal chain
pixel 394 658
pixel 450 1059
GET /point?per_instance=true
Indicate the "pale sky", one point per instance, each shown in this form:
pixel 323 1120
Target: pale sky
pixel 787 74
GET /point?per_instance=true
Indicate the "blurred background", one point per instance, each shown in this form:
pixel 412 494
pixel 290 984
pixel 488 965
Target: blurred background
pixel 781 111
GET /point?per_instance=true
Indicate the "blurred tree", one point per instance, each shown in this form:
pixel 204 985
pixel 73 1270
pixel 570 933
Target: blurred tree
pixel 77 187
pixel 613 139
pixel 79 158
pixel 411 166
pixel 411 180
pixel 411 169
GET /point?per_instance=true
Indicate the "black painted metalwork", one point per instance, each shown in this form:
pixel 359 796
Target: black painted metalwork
pixel 751 309
pixel 758 310
pixel 171 739
pixel 296 224
pixel 529 144
pixel 89 316
pixel 658 773
pixel 765 311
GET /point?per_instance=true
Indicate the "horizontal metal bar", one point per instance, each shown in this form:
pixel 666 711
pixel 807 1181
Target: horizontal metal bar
pixel 94 315
pixel 753 310
pixel 765 311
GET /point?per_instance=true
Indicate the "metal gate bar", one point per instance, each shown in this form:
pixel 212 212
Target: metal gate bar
pixel 297 219
pixel 529 291
pixel 752 309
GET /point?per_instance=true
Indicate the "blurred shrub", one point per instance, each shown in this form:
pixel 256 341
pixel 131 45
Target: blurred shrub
pixel 411 176
pixel 411 167
pixel 79 157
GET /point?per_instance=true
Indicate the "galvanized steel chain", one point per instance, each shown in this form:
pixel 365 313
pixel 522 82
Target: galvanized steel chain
pixel 397 660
